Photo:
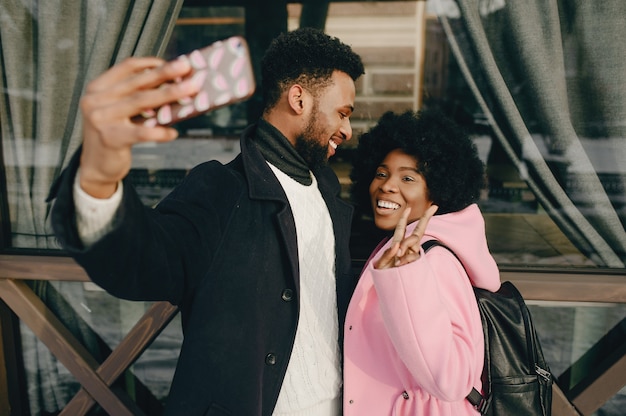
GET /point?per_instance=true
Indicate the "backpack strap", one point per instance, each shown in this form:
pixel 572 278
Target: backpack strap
pixel 474 397
pixel 478 401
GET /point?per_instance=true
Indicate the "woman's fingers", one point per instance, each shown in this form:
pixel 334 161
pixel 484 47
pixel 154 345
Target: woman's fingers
pixel 405 250
pixel 410 246
pixel 398 234
pixel 388 259
pixel 409 257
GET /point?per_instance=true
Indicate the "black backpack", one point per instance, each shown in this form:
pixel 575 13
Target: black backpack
pixel 516 378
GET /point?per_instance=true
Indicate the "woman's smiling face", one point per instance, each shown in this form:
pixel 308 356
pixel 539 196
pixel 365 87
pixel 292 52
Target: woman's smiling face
pixel 397 185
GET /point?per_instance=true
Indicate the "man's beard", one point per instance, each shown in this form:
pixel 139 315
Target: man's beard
pixel 308 146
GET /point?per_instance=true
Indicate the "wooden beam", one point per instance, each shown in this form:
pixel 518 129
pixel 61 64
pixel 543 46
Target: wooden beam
pixel 561 406
pixel 32 267
pixel 599 373
pixel 60 341
pixel 608 286
pixel 602 388
pixel 562 285
pixel 128 350
pixel 193 21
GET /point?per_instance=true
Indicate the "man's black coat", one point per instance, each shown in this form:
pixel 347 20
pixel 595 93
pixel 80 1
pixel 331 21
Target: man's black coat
pixel 222 246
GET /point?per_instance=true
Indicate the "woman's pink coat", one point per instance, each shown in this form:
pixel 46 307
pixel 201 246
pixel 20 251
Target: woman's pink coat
pixel 413 336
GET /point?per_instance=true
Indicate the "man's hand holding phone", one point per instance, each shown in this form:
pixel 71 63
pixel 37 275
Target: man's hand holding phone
pixel 120 108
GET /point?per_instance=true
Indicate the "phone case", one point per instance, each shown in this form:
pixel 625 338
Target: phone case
pixel 228 78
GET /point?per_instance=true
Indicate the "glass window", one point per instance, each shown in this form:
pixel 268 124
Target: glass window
pixel 410 64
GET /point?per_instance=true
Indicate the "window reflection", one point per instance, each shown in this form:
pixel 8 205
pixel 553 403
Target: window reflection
pixel 393 44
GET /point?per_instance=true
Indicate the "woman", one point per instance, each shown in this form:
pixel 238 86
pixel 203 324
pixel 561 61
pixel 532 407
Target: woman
pixel 413 335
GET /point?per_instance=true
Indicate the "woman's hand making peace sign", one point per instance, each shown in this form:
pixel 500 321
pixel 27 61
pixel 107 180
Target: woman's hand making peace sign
pixel 403 249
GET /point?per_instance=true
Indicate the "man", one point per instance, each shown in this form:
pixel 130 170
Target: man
pixel 254 252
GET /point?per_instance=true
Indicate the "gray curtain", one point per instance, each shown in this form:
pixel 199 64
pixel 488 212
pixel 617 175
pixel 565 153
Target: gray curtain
pixel 49 51
pixel 549 76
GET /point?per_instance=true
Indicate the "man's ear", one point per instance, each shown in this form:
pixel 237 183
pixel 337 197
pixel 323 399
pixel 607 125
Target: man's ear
pixel 295 96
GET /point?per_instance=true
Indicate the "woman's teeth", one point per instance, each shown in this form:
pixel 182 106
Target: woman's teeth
pixel 387 204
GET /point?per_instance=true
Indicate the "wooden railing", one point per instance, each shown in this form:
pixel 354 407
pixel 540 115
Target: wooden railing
pixel 95 378
pixel 583 285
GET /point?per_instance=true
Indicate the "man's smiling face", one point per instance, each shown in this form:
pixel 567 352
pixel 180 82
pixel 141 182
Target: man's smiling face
pixel 328 124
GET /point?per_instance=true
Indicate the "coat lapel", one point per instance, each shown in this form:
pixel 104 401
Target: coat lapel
pixel 263 185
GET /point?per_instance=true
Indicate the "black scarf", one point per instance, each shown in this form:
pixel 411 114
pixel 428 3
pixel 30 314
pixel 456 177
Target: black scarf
pixel 278 151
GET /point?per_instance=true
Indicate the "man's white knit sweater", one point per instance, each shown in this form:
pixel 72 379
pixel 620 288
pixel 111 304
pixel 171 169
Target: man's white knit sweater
pixel 313 380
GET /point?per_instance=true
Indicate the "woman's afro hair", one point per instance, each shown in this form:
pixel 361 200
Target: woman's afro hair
pixel 446 157
pixel 307 56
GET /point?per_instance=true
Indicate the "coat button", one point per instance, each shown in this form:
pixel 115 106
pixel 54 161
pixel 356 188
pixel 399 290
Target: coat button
pixel 405 395
pixel 287 295
pixel 270 359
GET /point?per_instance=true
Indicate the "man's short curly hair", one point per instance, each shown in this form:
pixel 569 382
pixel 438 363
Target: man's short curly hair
pixel 306 56
pixel 446 156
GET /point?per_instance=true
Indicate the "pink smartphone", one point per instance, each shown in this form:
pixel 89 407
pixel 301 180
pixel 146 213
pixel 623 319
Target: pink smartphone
pixel 228 78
